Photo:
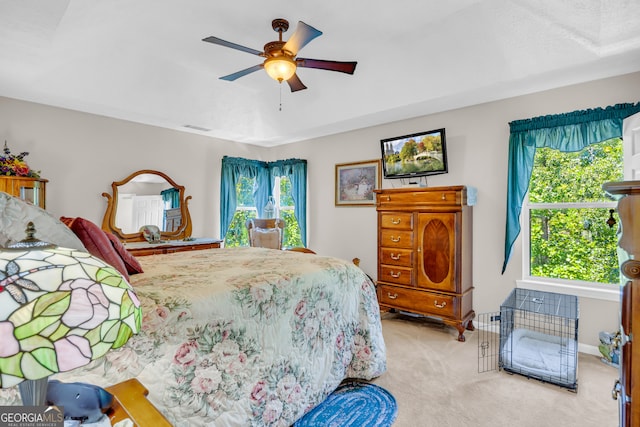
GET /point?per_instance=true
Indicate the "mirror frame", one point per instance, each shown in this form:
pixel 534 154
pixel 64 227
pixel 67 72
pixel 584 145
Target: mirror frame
pixel 109 219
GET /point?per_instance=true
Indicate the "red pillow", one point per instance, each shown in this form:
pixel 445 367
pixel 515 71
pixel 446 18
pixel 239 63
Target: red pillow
pixel 96 242
pixel 130 262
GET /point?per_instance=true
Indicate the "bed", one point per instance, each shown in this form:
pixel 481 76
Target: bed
pixel 244 336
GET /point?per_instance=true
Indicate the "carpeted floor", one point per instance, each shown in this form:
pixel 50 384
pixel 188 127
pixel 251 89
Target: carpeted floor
pixel 435 381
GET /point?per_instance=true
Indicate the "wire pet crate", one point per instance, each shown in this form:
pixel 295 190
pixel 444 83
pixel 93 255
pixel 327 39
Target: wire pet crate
pixel 538 337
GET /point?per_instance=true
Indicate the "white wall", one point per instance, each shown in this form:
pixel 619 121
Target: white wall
pixel 477 142
pixel 81 154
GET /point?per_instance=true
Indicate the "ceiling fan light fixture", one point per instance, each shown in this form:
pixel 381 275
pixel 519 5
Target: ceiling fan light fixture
pixel 280 68
pixel 280 58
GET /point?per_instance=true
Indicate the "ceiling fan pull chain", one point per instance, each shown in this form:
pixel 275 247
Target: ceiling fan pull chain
pixel 280 96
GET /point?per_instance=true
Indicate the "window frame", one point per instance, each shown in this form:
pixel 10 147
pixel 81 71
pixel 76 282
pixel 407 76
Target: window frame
pixel 602 291
pixel 597 290
pixel 276 193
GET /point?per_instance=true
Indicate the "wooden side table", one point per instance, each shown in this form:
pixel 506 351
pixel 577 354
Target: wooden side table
pixel 130 401
pixel 145 248
pixel 32 190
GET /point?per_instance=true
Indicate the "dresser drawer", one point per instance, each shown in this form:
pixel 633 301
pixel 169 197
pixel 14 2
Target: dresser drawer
pixel 427 303
pixel 198 247
pixel 396 238
pixel 395 274
pixel 396 220
pixel 434 196
pixel 396 256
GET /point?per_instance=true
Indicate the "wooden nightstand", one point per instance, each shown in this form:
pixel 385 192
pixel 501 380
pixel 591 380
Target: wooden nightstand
pixel 130 401
pixel 33 190
pixel 145 248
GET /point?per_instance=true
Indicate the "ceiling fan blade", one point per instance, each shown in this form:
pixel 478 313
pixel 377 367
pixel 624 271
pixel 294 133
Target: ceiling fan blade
pixel 238 74
pixel 343 67
pixel 295 83
pixel 225 43
pixel 301 37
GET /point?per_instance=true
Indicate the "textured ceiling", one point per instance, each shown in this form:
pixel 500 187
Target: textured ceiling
pixel 144 61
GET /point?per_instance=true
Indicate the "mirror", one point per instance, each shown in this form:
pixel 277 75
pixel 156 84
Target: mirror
pixel 147 197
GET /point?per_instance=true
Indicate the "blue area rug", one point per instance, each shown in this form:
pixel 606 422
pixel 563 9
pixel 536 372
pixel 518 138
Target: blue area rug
pixel 353 404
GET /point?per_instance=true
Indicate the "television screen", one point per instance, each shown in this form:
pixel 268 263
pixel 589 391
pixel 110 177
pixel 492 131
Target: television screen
pixel 418 154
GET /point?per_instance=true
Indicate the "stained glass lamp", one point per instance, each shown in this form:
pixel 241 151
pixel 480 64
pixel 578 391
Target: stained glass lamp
pixel 60 309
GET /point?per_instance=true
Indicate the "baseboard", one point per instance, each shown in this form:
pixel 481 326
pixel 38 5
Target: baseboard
pixel 588 349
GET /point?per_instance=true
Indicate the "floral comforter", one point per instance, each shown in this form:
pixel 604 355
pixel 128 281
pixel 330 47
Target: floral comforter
pixel 246 336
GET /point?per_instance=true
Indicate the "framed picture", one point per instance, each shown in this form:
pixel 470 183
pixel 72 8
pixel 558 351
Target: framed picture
pixel 356 181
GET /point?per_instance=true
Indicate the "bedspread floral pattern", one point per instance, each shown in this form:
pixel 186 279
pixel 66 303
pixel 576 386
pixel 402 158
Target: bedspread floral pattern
pixel 246 336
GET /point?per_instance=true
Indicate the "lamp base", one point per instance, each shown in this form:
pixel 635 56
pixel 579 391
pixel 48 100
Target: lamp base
pixel 34 392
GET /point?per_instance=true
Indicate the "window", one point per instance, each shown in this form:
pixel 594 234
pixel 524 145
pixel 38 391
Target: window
pixel 246 209
pixel 286 208
pixel 245 188
pixel 564 219
pixel 569 132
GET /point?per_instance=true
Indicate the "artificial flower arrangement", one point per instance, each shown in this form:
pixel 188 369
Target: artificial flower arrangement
pixel 14 165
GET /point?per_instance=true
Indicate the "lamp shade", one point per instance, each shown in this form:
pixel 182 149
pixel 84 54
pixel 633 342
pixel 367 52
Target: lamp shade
pixel 60 309
pixel 280 68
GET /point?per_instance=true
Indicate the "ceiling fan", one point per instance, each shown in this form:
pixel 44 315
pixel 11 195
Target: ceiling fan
pixel 281 57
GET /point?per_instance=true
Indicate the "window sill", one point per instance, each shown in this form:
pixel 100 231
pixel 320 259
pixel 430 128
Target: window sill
pixel 579 290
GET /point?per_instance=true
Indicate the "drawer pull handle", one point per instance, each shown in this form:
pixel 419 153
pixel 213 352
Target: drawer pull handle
pixel 444 197
pixel 394 296
pixel 395 257
pixel 395 275
pixel 395 239
pixel 395 221
pixel 443 305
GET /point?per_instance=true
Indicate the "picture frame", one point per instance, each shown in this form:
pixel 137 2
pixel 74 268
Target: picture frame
pixel 356 182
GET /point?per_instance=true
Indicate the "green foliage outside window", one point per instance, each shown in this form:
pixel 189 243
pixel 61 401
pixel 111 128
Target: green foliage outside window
pixel 244 192
pixel 574 242
pixel 237 234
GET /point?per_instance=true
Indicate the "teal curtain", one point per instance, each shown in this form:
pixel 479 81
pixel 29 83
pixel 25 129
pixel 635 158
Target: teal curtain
pixel 564 132
pixel 264 173
pixel 296 171
pixel 171 195
pixel 232 169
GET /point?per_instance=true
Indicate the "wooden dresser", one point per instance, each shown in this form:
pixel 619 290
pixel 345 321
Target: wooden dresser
pixel 424 253
pixel 146 248
pixel 33 190
pixel 627 388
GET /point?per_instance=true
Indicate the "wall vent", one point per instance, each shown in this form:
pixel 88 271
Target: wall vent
pixel 194 127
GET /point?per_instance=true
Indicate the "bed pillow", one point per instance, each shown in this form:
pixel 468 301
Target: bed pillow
pixel 15 214
pixel 96 242
pixel 130 262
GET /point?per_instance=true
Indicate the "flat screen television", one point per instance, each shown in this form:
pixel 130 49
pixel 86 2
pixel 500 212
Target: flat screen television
pixel 418 154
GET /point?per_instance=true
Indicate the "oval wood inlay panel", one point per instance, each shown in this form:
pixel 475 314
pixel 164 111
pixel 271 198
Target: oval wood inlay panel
pixel 436 256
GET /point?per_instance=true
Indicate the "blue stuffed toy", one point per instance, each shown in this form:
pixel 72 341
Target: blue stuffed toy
pixel 84 402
